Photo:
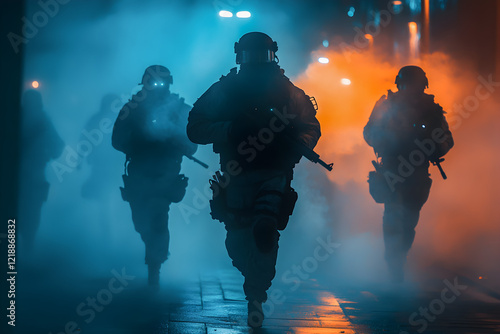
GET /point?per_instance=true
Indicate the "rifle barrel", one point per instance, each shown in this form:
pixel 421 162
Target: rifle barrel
pixel 443 174
pixel 201 163
pixel 329 167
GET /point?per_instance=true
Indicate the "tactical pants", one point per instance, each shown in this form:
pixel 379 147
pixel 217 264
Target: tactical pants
pixel 401 215
pixel 150 217
pixel 261 200
pixel 150 195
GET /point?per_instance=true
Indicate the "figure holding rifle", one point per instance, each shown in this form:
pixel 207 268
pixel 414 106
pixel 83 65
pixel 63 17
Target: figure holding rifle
pixel 261 125
pixel 407 129
pixel 151 131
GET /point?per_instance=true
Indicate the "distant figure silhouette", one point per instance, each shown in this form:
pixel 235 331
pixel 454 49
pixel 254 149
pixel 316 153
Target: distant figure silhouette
pixel 101 185
pixel 250 116
pixel 40 143
pixel 151 131
pixel 407 129
pixel 98 159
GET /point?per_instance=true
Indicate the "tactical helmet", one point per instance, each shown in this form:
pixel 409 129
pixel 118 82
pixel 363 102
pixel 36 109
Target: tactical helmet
pixel 413 75
pixel 255 47
pixel 156 74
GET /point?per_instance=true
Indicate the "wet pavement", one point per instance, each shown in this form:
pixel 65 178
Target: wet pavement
pixel 214 303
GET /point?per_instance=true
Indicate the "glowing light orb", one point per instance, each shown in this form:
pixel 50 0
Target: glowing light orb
pixel 345 81
pixel 225 13
pixel 351 12
pixel 35 84
pixel 323 60
pixel 326 43
pixel 243 14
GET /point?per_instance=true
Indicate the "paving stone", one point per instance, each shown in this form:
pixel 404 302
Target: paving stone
pixel 214 303
pixel 186 327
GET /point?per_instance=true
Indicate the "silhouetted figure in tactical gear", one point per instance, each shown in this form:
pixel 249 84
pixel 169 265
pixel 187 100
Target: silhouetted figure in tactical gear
pixel 151 131
pixel 407 129
pixel 40 143
pixel 245 116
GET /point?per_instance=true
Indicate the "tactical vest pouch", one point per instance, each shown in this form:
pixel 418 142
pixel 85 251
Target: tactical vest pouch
pixel 218 203
pixel 177 189
pixel 287 205
pixel 379 189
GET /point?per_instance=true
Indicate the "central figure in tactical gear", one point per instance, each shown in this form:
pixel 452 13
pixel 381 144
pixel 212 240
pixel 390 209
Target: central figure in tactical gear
pixel 407 129
pixel 151 131
pixel 249 116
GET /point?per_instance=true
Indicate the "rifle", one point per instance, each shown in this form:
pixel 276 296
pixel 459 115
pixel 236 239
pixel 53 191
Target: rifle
pixel 301 148
pixel 437 162
pixel 423 129
pixel 310 155
pixel 201 163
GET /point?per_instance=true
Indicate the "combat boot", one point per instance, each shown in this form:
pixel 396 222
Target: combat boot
pixel 154 275
pixel 396 270
pixel 255 314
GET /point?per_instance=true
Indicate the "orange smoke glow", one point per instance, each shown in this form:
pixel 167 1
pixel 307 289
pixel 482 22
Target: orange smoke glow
pixel 412 26
pixel 369 38
pixel 459 226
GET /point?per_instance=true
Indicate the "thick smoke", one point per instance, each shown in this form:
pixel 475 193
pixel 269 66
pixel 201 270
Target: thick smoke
pixel 459 226
pixel 91 49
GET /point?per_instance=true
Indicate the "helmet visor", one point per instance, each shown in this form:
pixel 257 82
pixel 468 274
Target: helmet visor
pixel 256 56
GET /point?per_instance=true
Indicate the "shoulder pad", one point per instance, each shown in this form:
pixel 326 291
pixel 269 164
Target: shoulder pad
pixel 175 97
pixel 429 98
pixel 231 73
pixel 383 98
